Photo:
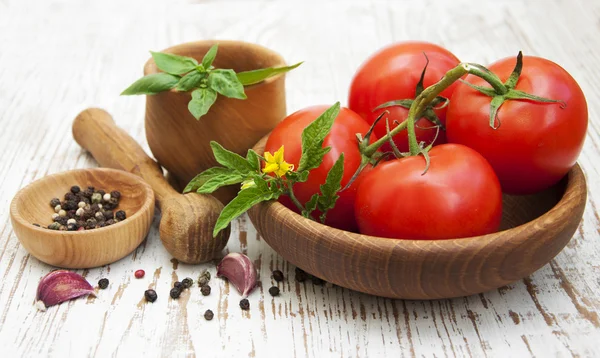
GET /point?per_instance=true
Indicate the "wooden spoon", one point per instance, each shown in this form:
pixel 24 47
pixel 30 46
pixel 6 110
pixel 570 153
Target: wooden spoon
pixel 187 221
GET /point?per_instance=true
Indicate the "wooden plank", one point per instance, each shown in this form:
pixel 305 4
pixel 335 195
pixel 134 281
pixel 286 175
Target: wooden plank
pixel 59 57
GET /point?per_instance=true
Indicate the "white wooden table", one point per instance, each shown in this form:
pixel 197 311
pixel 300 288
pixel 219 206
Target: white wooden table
pixel 59 57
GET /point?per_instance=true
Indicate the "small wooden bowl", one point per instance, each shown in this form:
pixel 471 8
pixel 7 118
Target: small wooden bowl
pixel 181 144
pixel 535 228
pixel 87 248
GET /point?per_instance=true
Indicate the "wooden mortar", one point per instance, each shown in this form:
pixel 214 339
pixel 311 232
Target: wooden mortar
pixel 181 144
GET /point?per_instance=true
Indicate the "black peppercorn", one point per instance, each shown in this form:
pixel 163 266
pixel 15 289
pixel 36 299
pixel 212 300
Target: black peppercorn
pixel 115 194
pixel 301 276
pixel 109 222
pixel 89 191
pixel 112 202
pixel 102 224
pixel 175 292
pixel 178 285
pixel 94 207
pixel 120 215
pixel 102 192
pixel 70 205
pixel 208 315
pixel 245 304
pixel 202 281
pixel 75 189
pixel 274 291
pixel 205 290
pixel 54 202
pixel 187 282
pixel 84 199
pixel 278 275
pixel 80 223
pixel 150 295
pixel 88 214
pixel 70 196
pixel 72 227
pixel 108 214
pixel 317 281
pixel 103 283
pixel 62 220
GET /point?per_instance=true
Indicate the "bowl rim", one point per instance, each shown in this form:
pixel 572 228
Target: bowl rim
pixel 575 187
pixel 148 203
pixel 151 68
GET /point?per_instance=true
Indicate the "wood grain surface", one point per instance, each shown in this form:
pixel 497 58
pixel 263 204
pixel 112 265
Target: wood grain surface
pixel 58 57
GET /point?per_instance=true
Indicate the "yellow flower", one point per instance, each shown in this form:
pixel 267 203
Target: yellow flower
pixel 276 164
pixel 248 183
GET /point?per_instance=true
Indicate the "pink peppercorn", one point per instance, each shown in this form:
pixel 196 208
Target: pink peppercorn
pixel 139 273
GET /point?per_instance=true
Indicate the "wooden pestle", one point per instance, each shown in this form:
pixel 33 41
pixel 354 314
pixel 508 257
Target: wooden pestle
pixel 187 221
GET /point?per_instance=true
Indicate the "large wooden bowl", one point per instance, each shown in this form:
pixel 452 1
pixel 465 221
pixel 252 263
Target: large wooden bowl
pixel 534 230
pixel 181 144
pixel 88 248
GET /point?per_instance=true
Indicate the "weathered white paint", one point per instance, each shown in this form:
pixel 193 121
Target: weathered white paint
pixel 59 57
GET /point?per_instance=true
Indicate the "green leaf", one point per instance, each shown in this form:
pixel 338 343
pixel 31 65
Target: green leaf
pixel 230 159
pixel 245 199
pixel 210 56
pixel 202 100
pixel 226 83
pixel 152 84
pixel 253 158
pixel 256 76
pixel 310 205
pixel 313 136
pixel 218 181
pixel 205 176
pixel 189 81
pixel 333 183
pixel 173 64
pixel 298 177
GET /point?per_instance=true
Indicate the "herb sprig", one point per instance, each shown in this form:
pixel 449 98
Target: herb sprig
pixel 258 183
pixel 205 82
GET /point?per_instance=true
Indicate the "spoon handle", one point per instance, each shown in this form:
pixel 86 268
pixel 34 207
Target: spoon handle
pixel 95 130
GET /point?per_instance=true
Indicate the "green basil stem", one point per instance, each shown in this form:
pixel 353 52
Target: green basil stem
pixel 429 94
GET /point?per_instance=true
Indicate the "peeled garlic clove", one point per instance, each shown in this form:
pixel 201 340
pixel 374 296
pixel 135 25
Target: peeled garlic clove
pixel 240 271
pixel 62 285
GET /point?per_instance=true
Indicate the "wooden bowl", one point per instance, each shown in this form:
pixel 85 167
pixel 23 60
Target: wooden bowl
pixel 87 248
pixel 535 228
pixel 181 144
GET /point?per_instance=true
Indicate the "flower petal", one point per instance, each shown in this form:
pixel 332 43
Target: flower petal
pixel 279 155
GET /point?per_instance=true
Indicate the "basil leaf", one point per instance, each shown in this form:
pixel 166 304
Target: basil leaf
pixel 245 199
pixel 152 84
pixel 226 83
pixel 173 64
pixel 230 159
pixel 189 81
pixel 218 181
pixel 256 76
pixel 205 176
pixel 253 159
pixel 210 56
pixel 313 136
pixel 202 100
pixel 333 183
pixel 310 206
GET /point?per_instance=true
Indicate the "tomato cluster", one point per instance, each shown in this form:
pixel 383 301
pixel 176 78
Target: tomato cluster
pixel 469 154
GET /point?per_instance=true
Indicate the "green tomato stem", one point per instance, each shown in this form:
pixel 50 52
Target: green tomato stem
pixel 293 197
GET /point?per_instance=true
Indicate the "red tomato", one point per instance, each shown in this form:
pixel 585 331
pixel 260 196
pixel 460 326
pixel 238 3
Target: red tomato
pixel 392 74
pixel 459 196
pixel 536 143
pixel 341 139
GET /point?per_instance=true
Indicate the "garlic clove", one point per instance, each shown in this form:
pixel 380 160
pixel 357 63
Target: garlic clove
pixel 62 285
pixel 240 271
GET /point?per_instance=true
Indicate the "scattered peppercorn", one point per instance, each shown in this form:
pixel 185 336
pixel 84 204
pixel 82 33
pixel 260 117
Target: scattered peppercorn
pixel 274 291
pixel 103 283
pixel 54 202
pixel 175 292
pixel 187 282
pixel 203 281
pixel 245 304
pixel 208 315
pixel 38 225
pixel 205 290
pixel 178 285
pixel 139 273
pixel 317 281
pixel 150 295
pixel 278 275
pixel 301 276
pixel 120 215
